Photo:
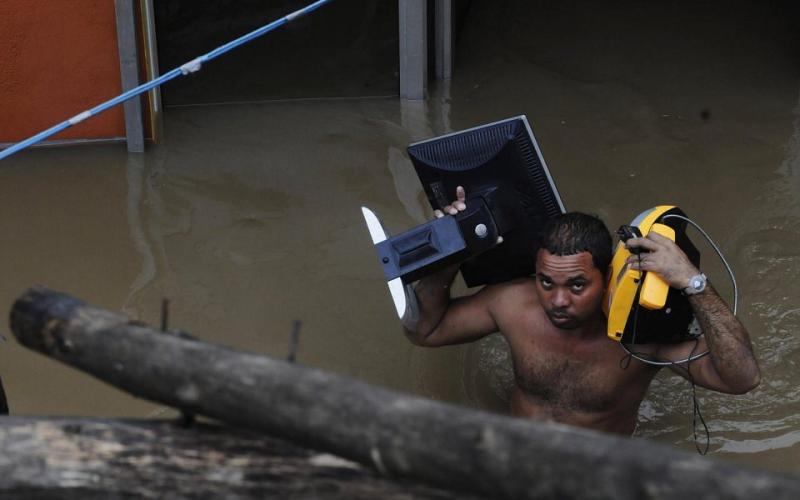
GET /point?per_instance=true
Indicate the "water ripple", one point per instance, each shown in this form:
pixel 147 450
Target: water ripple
pixel 759 445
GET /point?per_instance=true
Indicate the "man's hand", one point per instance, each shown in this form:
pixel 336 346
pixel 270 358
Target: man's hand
pixel 459 205
pixel 663 257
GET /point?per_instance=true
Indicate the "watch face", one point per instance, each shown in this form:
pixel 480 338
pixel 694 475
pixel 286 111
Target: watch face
pixel 697 283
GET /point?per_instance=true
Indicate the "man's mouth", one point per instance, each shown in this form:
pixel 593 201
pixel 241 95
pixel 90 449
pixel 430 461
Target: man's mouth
pixel 560 317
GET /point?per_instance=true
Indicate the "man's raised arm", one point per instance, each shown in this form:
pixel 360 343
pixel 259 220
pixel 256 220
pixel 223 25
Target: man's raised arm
pixel 440 320
pixel 443 320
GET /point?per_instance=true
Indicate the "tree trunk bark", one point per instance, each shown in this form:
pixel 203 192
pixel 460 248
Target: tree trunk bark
pixel 399 435
pixel 72 458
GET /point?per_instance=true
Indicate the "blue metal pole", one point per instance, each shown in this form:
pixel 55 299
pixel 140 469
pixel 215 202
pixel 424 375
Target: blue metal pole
pixel 184 69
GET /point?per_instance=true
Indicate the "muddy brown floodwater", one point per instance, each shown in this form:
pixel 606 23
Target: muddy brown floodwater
pixel 248 216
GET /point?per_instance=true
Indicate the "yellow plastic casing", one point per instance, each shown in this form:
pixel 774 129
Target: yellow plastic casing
pixel 620 292
pixel 655 289
pixel 624 282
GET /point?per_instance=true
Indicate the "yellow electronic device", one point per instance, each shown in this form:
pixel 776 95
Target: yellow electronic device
pixel 640 306
pixel 654 289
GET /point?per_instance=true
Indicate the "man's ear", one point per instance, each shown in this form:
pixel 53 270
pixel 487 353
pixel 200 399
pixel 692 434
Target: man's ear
pixel 608 275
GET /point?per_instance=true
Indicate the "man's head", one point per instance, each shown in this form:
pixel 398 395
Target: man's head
pixel 571 268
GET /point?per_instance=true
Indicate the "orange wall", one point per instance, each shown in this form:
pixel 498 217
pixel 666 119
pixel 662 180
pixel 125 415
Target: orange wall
pixel 57 59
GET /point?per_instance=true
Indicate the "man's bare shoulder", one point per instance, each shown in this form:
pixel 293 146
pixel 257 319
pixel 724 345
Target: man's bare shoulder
pixel 514 293
pixel 525 284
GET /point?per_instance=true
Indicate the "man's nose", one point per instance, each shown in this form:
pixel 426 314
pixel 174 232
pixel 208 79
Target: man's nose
pixel 560 298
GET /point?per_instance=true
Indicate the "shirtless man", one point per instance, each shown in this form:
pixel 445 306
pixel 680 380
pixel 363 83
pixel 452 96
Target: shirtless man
pixel 566 368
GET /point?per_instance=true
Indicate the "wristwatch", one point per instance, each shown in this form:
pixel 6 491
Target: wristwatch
pixel 696 285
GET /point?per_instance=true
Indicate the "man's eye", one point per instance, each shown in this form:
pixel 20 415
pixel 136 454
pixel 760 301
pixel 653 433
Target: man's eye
pixel 578 286
pixel 546 282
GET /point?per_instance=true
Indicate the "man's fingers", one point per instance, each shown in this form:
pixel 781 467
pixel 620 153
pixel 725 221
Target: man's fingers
pixel 461 195
pixel 642 243
pixel 455 207
pixel 636 262
pixel 449 209
pixel 658 238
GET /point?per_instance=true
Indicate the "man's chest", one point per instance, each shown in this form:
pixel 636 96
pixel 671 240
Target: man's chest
pixel 579 375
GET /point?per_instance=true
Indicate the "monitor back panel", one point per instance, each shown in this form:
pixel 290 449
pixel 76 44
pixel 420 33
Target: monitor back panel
pixel 502 163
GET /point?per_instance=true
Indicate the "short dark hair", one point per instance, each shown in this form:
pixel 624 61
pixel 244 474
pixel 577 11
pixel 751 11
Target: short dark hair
pixel 575 232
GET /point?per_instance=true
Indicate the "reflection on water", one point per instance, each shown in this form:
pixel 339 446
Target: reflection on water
pixel 248 217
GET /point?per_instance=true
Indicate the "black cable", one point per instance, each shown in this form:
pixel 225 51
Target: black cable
pixel 625 362
pixel 696 407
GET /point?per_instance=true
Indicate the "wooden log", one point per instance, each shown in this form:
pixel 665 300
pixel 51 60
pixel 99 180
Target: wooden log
pixel 73 458
pixel 398 434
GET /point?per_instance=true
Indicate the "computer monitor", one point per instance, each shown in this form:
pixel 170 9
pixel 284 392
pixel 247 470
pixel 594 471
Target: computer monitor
pixel 501 168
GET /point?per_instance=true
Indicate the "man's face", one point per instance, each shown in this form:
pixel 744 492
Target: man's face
pixel 569 287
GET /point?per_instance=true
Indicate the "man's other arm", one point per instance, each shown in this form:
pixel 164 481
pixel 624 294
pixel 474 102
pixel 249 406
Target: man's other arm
pixel 731 365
